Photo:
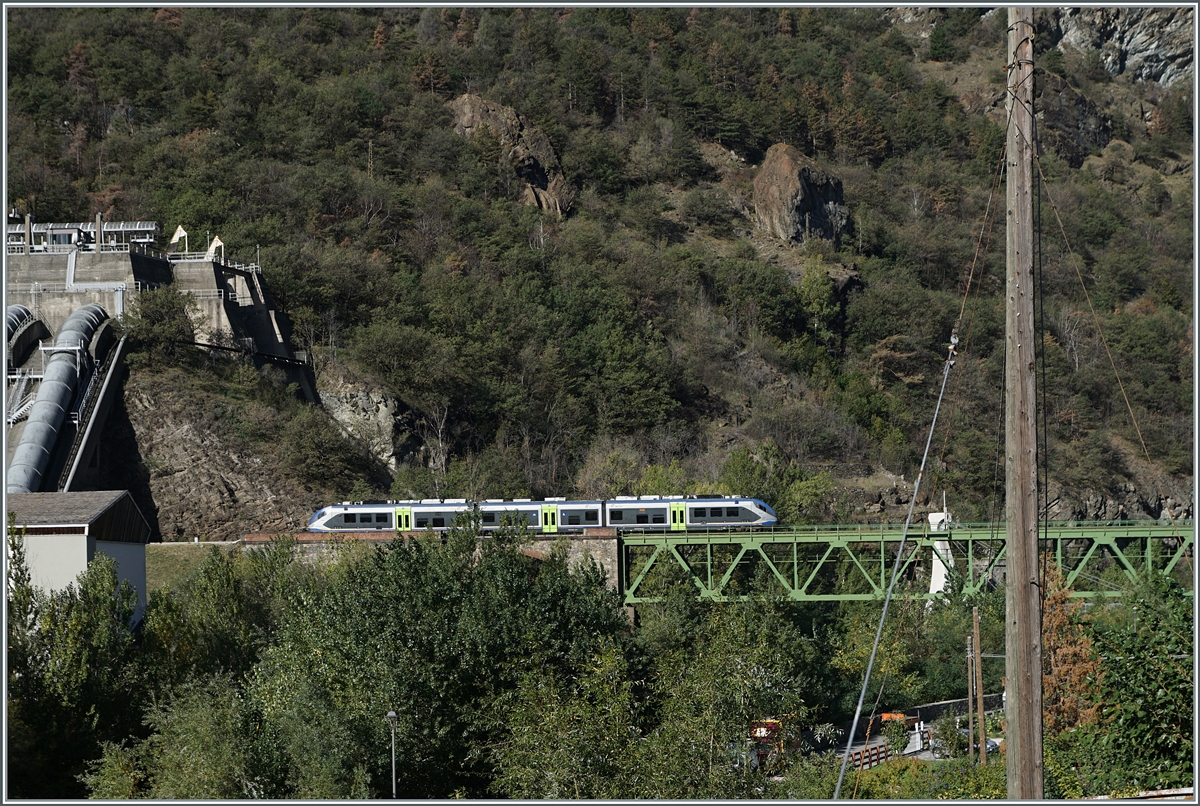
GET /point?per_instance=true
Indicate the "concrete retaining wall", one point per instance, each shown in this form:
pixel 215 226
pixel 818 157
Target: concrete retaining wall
pixel 598 544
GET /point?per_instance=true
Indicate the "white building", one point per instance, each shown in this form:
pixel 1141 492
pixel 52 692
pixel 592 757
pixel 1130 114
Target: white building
pixel 65 531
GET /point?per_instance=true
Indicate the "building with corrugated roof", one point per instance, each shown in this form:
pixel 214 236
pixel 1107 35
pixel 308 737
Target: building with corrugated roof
pixel 65 531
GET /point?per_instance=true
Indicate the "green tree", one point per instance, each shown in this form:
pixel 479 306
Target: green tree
pixel 571 738
pixel 941 49
pixel 806 500
pixel 438 633
pixel 222 616
pixel 317 451
pixel 161 327
pixel 76 684
pixel 818 301
pixel 743 665
pixel 27 750
pixel 205 742
pixel 1142 739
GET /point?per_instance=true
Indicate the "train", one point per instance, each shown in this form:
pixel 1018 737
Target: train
pixel 552 515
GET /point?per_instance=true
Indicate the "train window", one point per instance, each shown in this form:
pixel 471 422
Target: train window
pixel 618 515
pixel 659 519
pixel 489 517
pixel 572 520
pixel 591 516
pixel 350 517
pixel 699 512
pixel 732 512
pixel 381 517
pixel 643 518
pixel 439 523
pixel 422 522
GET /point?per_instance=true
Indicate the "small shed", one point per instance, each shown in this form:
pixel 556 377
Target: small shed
pixel 65 531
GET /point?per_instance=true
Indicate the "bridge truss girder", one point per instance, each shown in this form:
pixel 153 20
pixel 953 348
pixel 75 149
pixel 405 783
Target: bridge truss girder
pixel 848 563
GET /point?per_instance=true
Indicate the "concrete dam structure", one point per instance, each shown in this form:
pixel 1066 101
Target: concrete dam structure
pixel 77 280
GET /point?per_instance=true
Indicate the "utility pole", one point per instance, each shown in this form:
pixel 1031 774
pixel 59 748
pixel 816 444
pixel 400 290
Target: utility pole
pixel 979 690
pixel 1023 618
pixel 970 700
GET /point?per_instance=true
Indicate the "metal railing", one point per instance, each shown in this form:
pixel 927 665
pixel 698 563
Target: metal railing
pixel 21 402
pixel 64 248
pixel 192 257
pixel 869 757
pixel 86 408
pixel 214 293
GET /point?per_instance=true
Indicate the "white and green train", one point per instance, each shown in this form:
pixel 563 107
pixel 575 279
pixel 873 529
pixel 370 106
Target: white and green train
pixel 648 512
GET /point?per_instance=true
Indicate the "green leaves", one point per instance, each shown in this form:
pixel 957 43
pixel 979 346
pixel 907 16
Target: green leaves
pixel 1143 739
pixel 75 676
pixel 571 737
pixel 161 326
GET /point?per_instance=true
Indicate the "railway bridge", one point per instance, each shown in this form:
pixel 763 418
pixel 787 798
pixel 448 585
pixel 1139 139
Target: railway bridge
pixel 843 563
pixel 848 563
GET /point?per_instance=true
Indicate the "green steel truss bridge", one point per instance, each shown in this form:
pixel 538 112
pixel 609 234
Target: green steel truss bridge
pixel 847 563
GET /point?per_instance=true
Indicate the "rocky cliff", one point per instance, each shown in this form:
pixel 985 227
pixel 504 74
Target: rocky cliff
pixel 191 472
pixel 375 419
pixel 1068 123
pixel 1145 44
pixel 194 475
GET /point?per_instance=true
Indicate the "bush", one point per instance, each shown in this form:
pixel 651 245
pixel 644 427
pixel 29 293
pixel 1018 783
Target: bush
pixel 946 739
pixel 708 207
pixel 160 326
pixel 317 452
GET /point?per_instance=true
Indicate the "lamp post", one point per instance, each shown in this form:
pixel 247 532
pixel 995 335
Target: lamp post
pixel 391 718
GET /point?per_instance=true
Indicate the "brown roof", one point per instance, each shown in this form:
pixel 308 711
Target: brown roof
pixel 46 509
pixel 112 513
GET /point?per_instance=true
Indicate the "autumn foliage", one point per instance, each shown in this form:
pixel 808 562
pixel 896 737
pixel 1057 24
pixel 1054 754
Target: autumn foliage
pixel 1069 666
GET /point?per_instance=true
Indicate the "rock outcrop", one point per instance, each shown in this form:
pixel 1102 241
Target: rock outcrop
pixel 1126 503
pixel 795 198
pixel 1145 44
pixel 525 147
pixel 380 422
pixel 1068 123
pixel 190 473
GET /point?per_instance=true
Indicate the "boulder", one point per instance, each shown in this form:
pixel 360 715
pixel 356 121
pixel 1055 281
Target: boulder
pixel 795 198
pixel 525 147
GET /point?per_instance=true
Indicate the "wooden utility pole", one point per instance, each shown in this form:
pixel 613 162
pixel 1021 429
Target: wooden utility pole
pixel 1023 618
pixel 979 690
pixel 970 700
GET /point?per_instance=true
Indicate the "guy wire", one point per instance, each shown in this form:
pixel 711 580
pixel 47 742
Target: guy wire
pixel 887 599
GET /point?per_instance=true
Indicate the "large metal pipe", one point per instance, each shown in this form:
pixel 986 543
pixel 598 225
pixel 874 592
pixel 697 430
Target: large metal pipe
pixel 16 317
pixel 53 399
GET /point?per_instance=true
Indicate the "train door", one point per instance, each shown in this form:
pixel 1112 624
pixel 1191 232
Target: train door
pixel 678 518
pixel 403 518
pixel 549 518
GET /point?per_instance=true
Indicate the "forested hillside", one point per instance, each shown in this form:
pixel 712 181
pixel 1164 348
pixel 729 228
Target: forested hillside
pixel 585 303
pixel 649 332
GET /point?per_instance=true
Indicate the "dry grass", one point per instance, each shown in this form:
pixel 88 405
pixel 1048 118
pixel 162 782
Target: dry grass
pixel 170 564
